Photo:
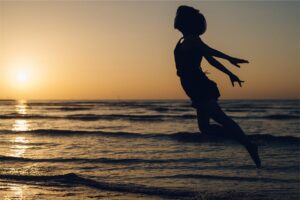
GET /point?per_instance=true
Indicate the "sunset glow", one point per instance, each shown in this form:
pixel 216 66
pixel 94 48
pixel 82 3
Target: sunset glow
pixel 122 50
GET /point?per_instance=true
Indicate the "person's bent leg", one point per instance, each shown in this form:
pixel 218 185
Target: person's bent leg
pixel 234 130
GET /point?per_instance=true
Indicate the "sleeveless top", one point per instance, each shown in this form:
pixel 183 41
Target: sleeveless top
pixel 187 61
pixel 193 80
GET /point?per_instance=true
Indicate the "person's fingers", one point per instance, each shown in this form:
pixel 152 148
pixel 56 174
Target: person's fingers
pixel 235 63
pixel 240 82
pixel 242 61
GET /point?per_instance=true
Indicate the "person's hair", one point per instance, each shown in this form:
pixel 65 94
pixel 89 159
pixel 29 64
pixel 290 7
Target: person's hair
pixel 189 20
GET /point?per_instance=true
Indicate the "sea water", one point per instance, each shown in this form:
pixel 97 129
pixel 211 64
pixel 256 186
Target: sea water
pixel 145 150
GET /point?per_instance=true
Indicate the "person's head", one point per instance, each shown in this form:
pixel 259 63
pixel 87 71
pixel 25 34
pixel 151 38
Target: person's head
pixel 189 20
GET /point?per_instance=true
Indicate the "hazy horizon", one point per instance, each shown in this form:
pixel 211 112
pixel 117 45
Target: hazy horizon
pixel 124 49
pixel 182 99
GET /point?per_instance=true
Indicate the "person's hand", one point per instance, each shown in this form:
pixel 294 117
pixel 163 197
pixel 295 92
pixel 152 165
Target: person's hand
pixel 237 61
pixel 234 78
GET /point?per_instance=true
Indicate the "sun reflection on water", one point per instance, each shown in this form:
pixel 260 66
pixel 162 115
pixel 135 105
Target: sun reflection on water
pixel 16 192
pixel 21 107
pixel 21 124
pixel 21 139
pixel 19 146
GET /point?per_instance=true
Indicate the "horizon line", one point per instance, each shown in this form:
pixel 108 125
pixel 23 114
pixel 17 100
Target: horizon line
pixel 148 99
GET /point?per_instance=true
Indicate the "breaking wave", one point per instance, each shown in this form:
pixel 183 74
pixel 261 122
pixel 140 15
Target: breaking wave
pixel 73 179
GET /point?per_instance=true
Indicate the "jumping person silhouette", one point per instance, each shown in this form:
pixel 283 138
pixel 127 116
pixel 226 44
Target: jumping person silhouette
pixel 203 92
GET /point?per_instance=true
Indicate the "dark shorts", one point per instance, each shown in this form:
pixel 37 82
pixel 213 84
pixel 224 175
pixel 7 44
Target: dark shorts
pixel 201 91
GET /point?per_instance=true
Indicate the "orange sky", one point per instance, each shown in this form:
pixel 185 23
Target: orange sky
pixel 124 49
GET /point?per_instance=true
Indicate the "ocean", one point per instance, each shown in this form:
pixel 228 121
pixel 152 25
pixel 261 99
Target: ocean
pixel 145 149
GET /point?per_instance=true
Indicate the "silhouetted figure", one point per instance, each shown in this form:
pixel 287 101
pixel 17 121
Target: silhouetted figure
pixel 203 92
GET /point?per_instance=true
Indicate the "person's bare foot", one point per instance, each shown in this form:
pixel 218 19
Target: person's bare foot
pixel 253 151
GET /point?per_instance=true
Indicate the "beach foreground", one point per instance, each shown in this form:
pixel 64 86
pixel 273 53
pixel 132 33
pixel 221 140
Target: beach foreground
pixel 144 150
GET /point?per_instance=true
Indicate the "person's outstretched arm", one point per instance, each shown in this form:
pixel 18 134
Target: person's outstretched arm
pixel 219 66
pixel 216 53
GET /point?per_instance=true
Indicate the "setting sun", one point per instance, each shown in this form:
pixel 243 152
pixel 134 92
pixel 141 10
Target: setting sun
pixel 22 76
pixel 21 73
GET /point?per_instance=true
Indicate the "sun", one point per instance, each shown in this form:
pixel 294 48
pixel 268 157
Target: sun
pixel 22 76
